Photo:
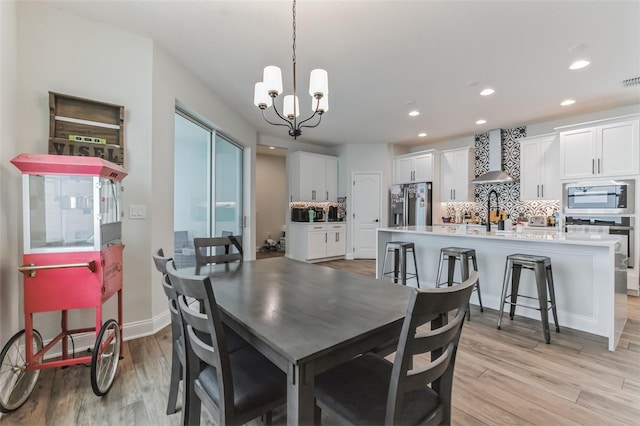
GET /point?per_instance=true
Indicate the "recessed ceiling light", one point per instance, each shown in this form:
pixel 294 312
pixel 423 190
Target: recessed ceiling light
pixel 487 92
pixel 579 64
pixel 414 113
pixel 567 102
pixel 272 147
pixel 422 135
pixel 481 121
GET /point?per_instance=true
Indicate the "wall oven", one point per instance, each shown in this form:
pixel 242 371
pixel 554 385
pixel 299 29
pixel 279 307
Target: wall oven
pixel 615 197
pixel 617 225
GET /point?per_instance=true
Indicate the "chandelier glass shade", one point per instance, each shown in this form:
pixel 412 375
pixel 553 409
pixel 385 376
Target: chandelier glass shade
pixel 270 88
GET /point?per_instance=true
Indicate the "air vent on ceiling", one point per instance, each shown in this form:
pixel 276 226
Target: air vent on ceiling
pixel 631 82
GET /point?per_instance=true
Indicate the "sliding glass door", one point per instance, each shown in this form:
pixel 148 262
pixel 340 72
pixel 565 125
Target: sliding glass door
pixel 228 187
pixel 207 186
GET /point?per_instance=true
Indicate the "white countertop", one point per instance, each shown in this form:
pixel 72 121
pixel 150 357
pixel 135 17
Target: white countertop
pixel 542 235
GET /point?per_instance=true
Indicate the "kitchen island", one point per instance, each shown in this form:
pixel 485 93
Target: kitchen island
pixel 589 270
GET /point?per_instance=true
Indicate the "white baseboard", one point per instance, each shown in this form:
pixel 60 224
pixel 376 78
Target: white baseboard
pixel 133 330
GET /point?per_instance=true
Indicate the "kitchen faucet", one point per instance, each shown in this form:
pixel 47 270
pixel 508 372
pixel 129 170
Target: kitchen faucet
pixel 493 191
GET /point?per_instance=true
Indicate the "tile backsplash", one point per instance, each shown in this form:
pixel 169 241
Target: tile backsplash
pixel 509 193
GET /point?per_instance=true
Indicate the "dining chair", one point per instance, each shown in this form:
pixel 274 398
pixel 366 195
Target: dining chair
pixel 178 354
pixel 206 250
pixel 370 390
pixel 235 387
pixel 177 350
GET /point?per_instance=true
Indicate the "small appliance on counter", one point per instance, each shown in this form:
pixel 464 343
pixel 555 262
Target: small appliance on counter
pixel 538 221
pixel 333 213
pixel 299 214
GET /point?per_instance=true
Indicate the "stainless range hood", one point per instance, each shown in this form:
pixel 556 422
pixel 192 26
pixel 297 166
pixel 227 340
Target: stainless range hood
pixel 495 173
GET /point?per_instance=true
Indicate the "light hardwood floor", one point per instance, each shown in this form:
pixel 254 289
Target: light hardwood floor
pixel 502 377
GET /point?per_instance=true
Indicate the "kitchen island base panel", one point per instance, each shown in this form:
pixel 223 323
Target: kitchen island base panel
pixel 590 276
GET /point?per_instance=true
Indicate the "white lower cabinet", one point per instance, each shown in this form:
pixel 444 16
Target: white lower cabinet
pixel 313 241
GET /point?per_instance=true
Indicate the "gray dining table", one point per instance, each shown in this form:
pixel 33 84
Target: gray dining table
pixel 306 318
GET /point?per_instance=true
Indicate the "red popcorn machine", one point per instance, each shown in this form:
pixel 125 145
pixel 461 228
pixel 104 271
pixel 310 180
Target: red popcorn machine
pixel 72 260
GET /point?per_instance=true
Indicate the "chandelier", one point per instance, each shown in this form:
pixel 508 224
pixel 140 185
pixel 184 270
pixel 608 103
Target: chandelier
pixel 270 87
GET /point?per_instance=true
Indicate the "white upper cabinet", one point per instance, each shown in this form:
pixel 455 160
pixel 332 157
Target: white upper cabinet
pixel 313 177
pixel 456 172
pixel 331 178
pixel 539 168
pixel 415 167
pixel 609 150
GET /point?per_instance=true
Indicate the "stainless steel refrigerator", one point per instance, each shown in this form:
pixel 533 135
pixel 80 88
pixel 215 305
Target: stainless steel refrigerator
pixel 410 204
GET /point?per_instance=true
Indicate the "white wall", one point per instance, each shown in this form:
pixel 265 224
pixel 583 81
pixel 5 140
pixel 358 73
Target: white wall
pixel 116 69
pixel 9 175
pixel 364 158
pixel 125 69
pixel 172 83
pixel 271 197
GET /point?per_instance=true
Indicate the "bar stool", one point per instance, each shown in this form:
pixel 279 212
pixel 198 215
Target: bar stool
pixel 463 255
pixel 400 251
pixel 541 266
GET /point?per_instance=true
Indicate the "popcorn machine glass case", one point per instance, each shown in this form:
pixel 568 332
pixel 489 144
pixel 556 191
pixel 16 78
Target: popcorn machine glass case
pixel 72 260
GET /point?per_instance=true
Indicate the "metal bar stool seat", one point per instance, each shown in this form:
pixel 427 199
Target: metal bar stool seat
pixel 463 255
pixel 400 250
pixel 541 266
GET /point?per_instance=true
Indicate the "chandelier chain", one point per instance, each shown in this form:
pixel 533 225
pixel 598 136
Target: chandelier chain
pixel 295 112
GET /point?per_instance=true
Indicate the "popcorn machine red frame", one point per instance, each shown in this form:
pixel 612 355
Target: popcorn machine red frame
pixel 72 260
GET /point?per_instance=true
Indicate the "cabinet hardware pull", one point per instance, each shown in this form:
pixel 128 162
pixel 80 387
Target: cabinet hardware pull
pixel 327 195
pixel 542 190
pixel 538 190
pixel 325 237
pixel 337 236
pixel 454 194
pixel 598 166
pixel 593 166
pixel 313 194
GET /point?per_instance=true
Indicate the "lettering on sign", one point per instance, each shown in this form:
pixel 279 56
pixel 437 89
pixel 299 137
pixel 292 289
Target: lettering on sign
pixel 107 152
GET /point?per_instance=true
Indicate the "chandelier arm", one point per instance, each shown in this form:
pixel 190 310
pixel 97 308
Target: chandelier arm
pixel 304 121
pixel 312 126
pixel 273 123
pixel 282 117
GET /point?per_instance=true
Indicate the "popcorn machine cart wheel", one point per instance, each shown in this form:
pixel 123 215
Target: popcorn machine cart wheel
pixel 72 260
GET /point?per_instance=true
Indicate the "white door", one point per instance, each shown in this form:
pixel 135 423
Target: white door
pixel 366 216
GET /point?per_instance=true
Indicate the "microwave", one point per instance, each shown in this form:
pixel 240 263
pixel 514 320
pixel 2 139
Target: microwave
pixel 604 197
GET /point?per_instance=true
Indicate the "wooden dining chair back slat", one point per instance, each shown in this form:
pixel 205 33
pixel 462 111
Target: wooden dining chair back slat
pixel 211 366
pixel 207 250
pixel 371 390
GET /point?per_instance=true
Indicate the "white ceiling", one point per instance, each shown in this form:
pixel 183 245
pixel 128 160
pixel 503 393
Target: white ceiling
pixel 385 58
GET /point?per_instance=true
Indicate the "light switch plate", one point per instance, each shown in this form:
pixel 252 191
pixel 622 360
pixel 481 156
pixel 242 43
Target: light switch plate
pixel 137 211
